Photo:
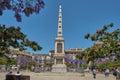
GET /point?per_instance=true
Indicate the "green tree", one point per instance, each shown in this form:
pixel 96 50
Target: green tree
pixel 11 61
pixel 3 60
pixel 11 37
pixel 109 42
pixel 32 63
pixel 80 57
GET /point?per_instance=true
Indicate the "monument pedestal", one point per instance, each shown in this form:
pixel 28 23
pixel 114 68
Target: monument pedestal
pixel 59 68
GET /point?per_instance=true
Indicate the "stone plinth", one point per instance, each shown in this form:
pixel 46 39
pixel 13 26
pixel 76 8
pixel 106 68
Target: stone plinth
pixel 59 68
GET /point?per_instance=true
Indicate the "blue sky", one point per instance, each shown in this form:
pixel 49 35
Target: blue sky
pixel 79 17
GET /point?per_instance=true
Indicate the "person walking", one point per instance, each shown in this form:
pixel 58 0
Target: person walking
pixel 107 71
pixel 94 73
pixel 116 72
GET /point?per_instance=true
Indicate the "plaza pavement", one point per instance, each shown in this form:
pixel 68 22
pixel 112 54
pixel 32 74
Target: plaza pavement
pixel 61 76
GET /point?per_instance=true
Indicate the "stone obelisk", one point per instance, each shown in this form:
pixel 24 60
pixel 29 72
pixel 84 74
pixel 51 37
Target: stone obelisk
pixel 59 54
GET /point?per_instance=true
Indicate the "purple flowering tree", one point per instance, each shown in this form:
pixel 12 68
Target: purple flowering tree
pixel 23 60
pixel 20 7
pixel 69 59
pixel 76 60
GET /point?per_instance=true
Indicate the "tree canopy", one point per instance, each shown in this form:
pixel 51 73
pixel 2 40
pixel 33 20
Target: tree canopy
pixel 26 7
pixel 12 37
pixel 109 43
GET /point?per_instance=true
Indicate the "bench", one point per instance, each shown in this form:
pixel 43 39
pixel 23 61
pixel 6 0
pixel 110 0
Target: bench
pixel 15 77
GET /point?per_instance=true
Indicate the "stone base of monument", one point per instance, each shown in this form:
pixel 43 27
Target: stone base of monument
pixel 59 68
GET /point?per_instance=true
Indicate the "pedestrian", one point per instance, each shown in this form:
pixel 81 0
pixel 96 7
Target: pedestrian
pixel 116 72
pixel 107 71
pixel 94 73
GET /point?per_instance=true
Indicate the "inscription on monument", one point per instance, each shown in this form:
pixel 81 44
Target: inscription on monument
pixel 59 48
